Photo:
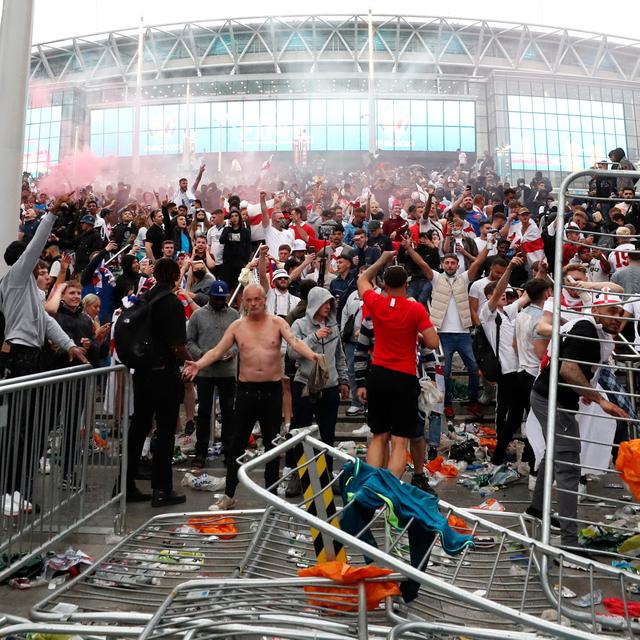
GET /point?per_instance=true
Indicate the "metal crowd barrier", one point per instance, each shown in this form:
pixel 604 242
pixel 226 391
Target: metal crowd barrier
pixel 62 438
pixel 606 513
pixel 508 581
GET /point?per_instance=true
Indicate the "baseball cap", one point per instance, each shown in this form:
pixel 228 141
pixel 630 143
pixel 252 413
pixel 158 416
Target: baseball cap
pixel 347 253
pixel 219 289
pixel 374 224
pixel 280 273
pixel 87 219
pixel 299 245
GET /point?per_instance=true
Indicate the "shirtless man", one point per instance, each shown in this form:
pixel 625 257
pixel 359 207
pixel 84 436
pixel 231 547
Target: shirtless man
pixel 258 336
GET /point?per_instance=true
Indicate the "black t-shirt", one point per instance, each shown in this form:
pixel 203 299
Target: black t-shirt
pixel 382 242
pixel 156 236
pixel 169 327
pixel 573 347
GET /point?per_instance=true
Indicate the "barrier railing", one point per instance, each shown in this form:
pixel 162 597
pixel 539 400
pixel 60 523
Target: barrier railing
pixel 62 439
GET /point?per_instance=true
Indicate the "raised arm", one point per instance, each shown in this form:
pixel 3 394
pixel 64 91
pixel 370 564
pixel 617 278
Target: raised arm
pixel 265 211
pixel 296 273
pixel 262 267
pixel 417 258
pixel 476 265
pixel 191 368
pixel 366 279
pixel 196 182
pixel 502 284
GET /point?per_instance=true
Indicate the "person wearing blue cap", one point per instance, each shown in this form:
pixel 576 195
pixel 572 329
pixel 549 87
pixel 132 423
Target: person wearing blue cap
pixel 204 330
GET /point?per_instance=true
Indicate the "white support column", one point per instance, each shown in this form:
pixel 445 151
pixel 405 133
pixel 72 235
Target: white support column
pixel 15 61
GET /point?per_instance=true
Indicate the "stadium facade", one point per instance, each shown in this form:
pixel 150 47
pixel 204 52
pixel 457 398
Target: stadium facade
pixel 536 98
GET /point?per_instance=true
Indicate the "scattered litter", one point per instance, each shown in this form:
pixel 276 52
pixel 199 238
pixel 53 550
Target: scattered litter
pixel 566 592
pixel 203 482
pixel 589 599
pixel 517 572
pixel 491 504
pixel 481 593
pixel 70 563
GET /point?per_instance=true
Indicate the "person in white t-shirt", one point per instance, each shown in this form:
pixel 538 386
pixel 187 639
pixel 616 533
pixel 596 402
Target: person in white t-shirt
pixel 213 239
pixel 598 266
pixel 619 257
pixel 275 235
pixel 498 320
pixel 476 291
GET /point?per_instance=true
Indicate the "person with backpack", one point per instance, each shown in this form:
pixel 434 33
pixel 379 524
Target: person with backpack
pixel 151 338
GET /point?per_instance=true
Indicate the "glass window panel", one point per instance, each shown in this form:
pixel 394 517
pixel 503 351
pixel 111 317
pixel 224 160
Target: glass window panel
pixel 96 144
pixel 55 129
pixel 318 112
pixel 574 107
pixel 318 136
pixel 563 105
pixel 364 111
pixel 301 113
pixel 468 138
pixel 234 138
pixel 418 138
pixel 334 136
pixel 284 112
pixel 598 125
pixel 435 136
pixel 563 123
pixel 585 107
pixel 235 115
pixel 540 139
pixel 618 110
pixel 467 114
pixel 36 115
pixel 202 116
pixel 219 113
pixel 125 144
pixel 173 139
pixel 385 112
pixel 402 137
pixel 251 137
pixel 550 105
pixel 419 113
pixel 111 122
pixel 451 113
pixel 596 108
pixel 251 116
pixel 607 109
pixel 552 142
pixel 110 144
pixel 54 149
pixel 609 127
pixel 434 114
pixel 352 114
pixel 97 119
pixel 525 103
pixel 218 138
pixel 551 121
pixel 334 112
pixel 586 123
pixel 28 116
pixel 513 103
pixel 600 146
pixel 537 105
pixel 516 140
pixel 351 137
pixel 619 126
pixel 285 138
pixel 527 120
pixel 203 139
pixel 385 137
pixel 538 121
pixel 401 113
pixel 451 138
pixel 45 129
pixel 156 118
pixel 564 142
pixel 33 131
pixel 515 120
pixel 125 119
pixel 268 136
pixel 612 141
pixel 46 114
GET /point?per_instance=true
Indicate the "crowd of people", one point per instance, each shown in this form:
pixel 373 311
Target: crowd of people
pixel 290 294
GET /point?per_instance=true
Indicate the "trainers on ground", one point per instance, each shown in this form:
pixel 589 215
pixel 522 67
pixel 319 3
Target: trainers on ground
pixel 449 412
pixel 189 427
pixel 354 411
pixel 224 503
pixel 294 486
pixel 167 498
pixel 475 409
pixel 69 484
pixel 364 430
pixel 432 454
pixel 534 513
pixel 422 482
pixel 532 482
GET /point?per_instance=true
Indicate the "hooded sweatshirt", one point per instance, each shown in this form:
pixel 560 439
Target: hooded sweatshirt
pixel 305 329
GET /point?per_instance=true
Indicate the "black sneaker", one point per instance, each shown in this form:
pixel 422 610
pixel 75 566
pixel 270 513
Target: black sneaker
pixel 189 427
pixel 135 495
pixel 294 486
pixel 432 454
pixel 167 498
pixel 422 482
pixel 534 513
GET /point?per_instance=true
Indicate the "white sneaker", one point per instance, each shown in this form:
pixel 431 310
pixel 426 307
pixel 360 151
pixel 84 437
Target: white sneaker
pixel 223 503
pixel 45 466
pixel 582 493
pixel 354 411
pixel 12 505
pixel 532 482
pixel 364 430
pixel 256 430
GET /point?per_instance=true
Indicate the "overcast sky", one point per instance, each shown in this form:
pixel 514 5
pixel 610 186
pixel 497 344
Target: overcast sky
pixel 57 19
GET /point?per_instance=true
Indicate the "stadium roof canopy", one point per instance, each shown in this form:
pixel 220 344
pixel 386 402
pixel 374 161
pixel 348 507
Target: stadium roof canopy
pixel 323 44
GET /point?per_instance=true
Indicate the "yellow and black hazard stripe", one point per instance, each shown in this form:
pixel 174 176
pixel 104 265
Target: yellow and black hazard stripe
pixel 323 506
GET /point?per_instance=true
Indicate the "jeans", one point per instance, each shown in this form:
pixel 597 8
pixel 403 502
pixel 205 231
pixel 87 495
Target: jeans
pixel 255 402
pixel 435 429
pixel 349 351
pixel 459 343
pixel 567 476
pixel 206 388
pixel 157 392
pixel 420 290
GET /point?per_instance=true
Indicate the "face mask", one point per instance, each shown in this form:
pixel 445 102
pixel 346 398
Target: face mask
pixel 218 304
pixel 456 232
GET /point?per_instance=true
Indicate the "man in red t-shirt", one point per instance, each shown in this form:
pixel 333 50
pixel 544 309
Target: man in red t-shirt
pixel 392 387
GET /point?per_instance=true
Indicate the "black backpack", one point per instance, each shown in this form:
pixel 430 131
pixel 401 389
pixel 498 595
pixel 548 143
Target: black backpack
pixel 132 333
pixel 486 358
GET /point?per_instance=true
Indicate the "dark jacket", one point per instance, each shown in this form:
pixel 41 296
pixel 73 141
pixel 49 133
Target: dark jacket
pixel 77 325
pixel 237 246
pixel 87 243
pixel 122 233
pixel 129 279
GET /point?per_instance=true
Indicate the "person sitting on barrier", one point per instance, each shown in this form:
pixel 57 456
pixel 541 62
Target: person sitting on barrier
pixel 585 344
pixel 258 336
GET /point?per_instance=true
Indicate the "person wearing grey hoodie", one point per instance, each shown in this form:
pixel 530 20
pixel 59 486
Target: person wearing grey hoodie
pixel 320 331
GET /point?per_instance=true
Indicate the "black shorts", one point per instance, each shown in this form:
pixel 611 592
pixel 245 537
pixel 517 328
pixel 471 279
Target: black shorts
pixel 392 398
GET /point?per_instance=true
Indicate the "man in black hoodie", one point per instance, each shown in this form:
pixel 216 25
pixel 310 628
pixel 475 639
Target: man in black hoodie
pixel 88 242
pixel 620 161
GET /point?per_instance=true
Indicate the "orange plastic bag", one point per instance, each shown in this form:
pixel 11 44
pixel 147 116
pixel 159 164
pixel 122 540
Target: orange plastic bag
pixel 487 431
pixel 628 463
pixel 459 524
pixel 490 443
pixel 435 464
pixel 448 470
pixel 221 526
pixel 347 599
